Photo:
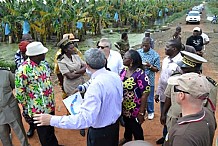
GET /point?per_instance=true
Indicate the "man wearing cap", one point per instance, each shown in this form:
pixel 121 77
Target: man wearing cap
pixel 197 125
pixel 191 63
pixel 169 65
pixel 151 61
pixel 34 90
pixel 101 107
pixel 196 41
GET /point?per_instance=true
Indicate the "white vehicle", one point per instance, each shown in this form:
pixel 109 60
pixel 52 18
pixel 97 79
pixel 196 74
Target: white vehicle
pixel 198 8
pixel 193 16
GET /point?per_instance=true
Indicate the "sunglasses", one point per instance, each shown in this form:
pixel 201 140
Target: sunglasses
pixel 178 90
pixel 102 47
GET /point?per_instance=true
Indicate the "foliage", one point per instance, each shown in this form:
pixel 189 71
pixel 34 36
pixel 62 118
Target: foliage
pixel 56 17
pixel 175 16
pixel 213 6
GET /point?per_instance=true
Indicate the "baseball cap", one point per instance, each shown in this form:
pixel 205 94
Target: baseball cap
pixel 197 29
pixel 190 60
pixel 194 84
pixel 35 48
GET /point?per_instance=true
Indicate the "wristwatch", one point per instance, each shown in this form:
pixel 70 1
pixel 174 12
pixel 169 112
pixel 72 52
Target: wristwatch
pixel 142 114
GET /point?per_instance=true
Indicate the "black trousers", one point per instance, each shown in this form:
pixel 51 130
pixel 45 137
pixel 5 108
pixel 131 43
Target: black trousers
pixel 107 136
pixel 132 127
pixel 47 135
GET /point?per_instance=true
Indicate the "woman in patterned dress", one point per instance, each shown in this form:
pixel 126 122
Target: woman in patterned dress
pixel 136 90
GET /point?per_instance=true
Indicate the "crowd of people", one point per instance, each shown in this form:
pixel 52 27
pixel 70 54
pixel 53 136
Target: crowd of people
pixel 120 90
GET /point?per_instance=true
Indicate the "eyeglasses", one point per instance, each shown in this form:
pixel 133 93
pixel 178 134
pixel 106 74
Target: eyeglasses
pixel 102 47
pixel 178 90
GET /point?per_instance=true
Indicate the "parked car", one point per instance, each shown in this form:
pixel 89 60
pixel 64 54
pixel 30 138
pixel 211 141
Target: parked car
pixel 193 16
pixel 198 8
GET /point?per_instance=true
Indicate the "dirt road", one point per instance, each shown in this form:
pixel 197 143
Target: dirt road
pixel 153 128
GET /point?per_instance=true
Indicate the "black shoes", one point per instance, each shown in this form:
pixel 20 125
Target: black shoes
pixel 83 132
pixel 160 141
pixel 30 132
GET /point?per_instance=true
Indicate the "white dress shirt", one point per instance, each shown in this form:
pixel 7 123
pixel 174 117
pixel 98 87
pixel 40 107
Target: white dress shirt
pixel 115 62
pixel 168 67
pixel 205 38
pixel 102 103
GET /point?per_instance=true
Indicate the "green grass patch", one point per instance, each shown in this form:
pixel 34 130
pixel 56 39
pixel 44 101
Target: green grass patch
pixel 9 50
pixel 176 16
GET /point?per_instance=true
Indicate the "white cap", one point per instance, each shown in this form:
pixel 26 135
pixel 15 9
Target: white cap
pixel 197 29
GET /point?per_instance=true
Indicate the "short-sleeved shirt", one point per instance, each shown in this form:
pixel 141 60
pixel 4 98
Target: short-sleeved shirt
pixel 196 42
pixel 33 87
pixel 169 66
pixel 115 62
pixel 56 68
pixel 205 38
pixel 193 130
pixel 66 65
pixel 133 88
pixel 154 59
pixel 175 109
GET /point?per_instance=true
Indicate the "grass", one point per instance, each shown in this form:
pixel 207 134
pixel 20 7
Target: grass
pixel 9 50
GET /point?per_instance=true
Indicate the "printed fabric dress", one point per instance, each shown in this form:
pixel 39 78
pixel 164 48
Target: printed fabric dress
pixel 133 88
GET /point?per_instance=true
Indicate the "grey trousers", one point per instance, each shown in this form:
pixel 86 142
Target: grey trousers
pixel 19 130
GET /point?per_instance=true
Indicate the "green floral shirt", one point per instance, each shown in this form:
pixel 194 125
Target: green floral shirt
pixel 33 88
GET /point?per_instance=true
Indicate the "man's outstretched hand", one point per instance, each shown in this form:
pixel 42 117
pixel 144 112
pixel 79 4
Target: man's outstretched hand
pixel 42 119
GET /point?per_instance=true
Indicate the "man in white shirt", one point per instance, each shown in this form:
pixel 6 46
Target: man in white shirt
pixel 101 107
pixel 205 37
pixel 169 66
pixel 114 59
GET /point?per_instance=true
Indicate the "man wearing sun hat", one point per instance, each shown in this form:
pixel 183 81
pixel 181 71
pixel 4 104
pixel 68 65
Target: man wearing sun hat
pixel 196 41
pixel 191 63
pixel 34 90
pixel 197 124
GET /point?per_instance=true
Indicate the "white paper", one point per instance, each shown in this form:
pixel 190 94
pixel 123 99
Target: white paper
pixel 73 103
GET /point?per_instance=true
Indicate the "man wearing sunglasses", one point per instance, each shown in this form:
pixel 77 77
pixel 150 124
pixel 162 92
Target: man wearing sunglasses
pixel 197 124
pixel 114 59
pixel 191 63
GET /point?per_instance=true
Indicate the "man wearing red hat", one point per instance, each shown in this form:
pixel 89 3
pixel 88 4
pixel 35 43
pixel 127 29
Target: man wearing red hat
pixel 20 56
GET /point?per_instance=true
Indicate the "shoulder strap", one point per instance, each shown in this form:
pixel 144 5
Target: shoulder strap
pixel 212 81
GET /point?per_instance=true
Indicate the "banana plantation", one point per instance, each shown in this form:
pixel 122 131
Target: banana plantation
pixel 52 18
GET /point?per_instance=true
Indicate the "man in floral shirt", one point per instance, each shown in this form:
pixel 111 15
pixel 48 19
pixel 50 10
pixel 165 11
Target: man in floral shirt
pixel 34 89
